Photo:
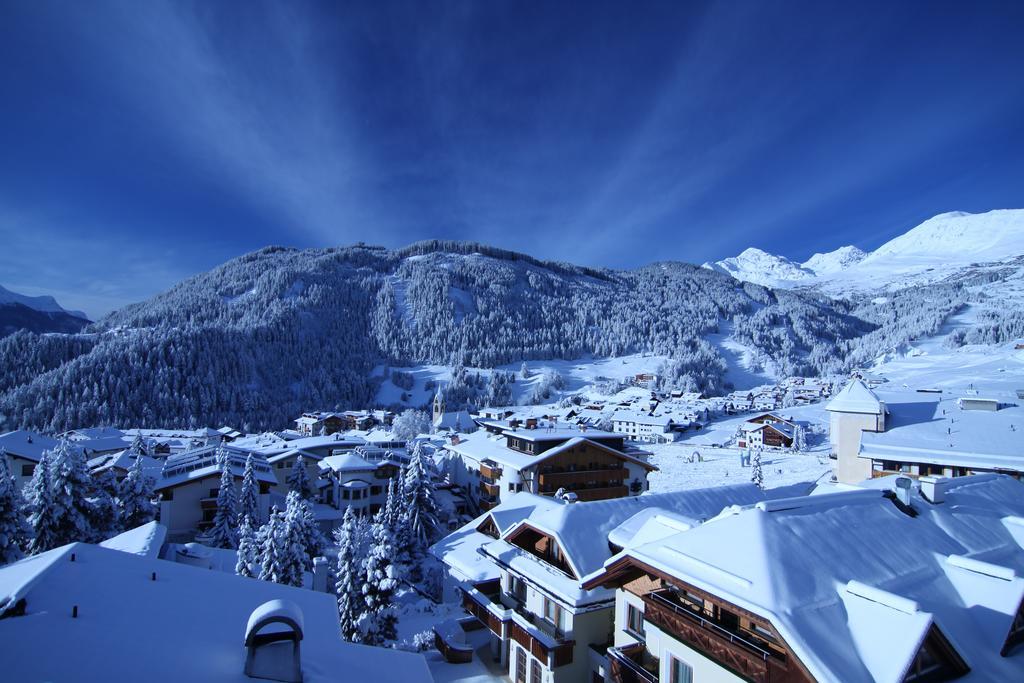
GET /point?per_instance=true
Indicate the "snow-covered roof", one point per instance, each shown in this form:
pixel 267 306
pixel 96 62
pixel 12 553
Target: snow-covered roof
pixel 26 444
pixel 582 531
pixel 95 433
pixel 482 445
pixel 851 583
pixel 290 452
pixel 460 549
pixel 197 637
pixel 855 397
pixel 641 418
pixel 145 540
pixel 124 459
pixel 347 462
pixel 202 462
pixel 932 428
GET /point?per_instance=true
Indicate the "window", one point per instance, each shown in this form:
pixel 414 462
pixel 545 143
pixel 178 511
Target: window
pixel 635 621
pixel 345 494
pixel 553 612
pixel 27 470
pixel 520 665
pixel 535 672
pixel 517 588
pixel 679 671
pixel 375 490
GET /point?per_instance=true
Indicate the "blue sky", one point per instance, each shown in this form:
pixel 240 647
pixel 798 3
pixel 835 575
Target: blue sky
pixel 144 141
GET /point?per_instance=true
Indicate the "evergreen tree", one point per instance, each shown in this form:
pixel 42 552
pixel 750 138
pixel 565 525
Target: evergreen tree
pixel 135 497
pixel 756 475
pixel 39 502
pixel 351 578
pixel 246 549
pixel 378 623
pixel 14 530
pixel 420 511
pixel 224 533
pixel 298 479
pixel 272 548
pixel 71 485
pixel 248 502
pixel 799 439
pixel 293 536
pixel 138 446
pixel 103 511
pixel 300 515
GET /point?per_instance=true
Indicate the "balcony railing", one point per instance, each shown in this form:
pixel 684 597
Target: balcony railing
pixel 581 476
pixel 746 642
pixel 632 664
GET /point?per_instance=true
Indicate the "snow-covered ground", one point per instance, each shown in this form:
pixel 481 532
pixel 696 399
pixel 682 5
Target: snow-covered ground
pixel 679 468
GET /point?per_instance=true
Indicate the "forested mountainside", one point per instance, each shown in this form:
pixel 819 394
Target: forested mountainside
pixel 16 316
pixel 253 342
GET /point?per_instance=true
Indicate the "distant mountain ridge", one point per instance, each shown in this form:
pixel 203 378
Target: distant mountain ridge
pixel 932 250
pixel 38 314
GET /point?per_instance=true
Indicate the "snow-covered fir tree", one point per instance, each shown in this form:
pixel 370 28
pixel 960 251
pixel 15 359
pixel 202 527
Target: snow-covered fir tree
pixel 350 578
pixel 379 619
pixel 420 511
pixel 104 516
pixel 272 548
pixel 224 533
pixel 39 502
pixel 799 439
pixel 298 478
pixel 299 514
pixel 756 475
pixel 247 550
pixel 71 485
pixel 135 497
pixel 14 529
pixel 248 501
pixel 293 543
pixel 139 446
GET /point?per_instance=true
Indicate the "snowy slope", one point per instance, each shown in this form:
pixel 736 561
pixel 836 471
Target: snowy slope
pixel 755 265
pixel 45 304
pixel 834 261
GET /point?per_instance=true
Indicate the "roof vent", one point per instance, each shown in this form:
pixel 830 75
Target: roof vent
pixel 934 488
pixel 903 487
pixel 274 655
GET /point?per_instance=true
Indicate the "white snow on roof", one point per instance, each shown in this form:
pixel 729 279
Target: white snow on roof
pixel 795 563
pixel 855 397
pixel 188 625
pixel 347 462
pixel 26 444
pixel 582 531
pixel 145 540
pixel 931 428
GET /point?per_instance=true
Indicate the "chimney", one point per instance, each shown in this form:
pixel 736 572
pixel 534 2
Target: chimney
pixel 934 488
pixel 903 486
pixel 455 439
pixel 321 569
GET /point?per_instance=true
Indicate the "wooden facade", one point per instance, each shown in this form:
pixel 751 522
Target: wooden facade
pixel 585 466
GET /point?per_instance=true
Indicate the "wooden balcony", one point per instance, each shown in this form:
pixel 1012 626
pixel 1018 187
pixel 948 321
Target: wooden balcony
pixel 602 493
pixel 489 490
pixel 632 664
pixel 740 652
pixel 208 503
pixel 559 479
pixel 490 471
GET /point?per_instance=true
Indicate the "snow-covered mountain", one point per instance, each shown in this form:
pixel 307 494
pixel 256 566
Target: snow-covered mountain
pixel 760 267
pixel 45 304
pixel 834 261
pixel 934 250
pixel 36 314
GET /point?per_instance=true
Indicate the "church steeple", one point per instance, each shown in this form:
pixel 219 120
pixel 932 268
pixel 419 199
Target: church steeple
pixel 438 413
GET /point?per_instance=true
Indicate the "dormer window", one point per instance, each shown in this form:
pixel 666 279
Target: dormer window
pixel 935 661
pixel 1016 635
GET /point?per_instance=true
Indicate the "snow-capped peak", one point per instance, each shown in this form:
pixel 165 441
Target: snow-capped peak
pixel 959 237
pixel 755 265
pixel 834 261
pixel 46 304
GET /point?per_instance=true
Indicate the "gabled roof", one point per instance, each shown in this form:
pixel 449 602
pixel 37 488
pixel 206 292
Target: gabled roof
pixel 856 398
pixel 582 529
pixel 347 462
pixel 840 574
pixel 197 637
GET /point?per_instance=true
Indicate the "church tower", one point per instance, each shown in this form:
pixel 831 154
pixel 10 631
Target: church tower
pixel 854 410
pixel 438 413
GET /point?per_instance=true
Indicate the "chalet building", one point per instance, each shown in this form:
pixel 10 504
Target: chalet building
pixel 638 426
pixel 351 479
pixel 189 483
pixel 319 423
pixel 498 460
pixel 283 463
pixel 118 465
pixel 767 430
pixel 24 449
pixel 923 433
pixel 524 581
pixel 806 589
